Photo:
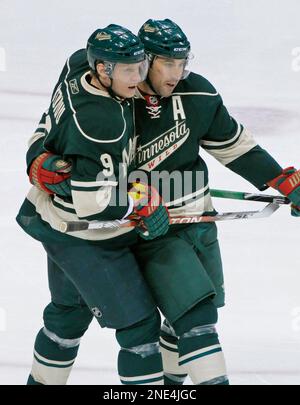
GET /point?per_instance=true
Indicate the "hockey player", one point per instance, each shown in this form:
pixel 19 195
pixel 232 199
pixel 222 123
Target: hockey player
pixel 93 273
pixel 176 113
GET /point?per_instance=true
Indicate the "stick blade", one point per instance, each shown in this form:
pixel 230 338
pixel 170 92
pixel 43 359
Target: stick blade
pixel 268 210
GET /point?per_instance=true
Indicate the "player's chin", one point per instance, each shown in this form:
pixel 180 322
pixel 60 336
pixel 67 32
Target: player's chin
pixel 167 90
pixel 129 91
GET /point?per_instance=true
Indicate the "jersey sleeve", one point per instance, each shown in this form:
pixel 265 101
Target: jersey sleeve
pixel 234 146
pixel 99 189
pixel 36 142
pixel 98 176
pixel 77 128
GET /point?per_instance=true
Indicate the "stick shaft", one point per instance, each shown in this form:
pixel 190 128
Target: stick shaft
pixel 238 195
pixel 75 226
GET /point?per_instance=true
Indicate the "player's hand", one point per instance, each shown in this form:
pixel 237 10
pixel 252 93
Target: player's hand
pixel 51 174
pixel 288 184
pixel 295 210
pixel 148 205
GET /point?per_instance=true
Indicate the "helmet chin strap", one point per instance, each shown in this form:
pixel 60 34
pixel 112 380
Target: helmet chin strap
pixel 109 88
pixel 149 83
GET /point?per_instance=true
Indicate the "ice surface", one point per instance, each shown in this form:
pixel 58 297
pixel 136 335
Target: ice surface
pixel 248 50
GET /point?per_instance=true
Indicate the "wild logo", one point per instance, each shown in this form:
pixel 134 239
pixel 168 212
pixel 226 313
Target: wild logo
pixel 149 28
pixel 103 36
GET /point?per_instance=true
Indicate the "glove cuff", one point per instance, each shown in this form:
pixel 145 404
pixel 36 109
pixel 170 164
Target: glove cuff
pixel 287 182
pixel 35 172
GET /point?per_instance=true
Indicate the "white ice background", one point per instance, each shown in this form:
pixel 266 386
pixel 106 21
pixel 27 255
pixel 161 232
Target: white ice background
pixel 250 50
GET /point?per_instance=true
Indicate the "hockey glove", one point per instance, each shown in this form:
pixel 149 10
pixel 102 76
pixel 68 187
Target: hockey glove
pixel 288 183
pixel 51 174
pixel 148 205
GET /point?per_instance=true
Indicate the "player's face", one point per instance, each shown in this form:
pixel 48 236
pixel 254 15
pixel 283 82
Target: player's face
pixel 165 73
pixel 126 77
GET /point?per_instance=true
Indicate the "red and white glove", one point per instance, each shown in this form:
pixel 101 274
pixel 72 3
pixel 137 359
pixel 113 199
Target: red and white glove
pixel 288 184
pixel 51 174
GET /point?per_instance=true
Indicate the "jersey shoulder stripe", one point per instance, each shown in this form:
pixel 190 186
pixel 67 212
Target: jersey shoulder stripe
pixel 195 85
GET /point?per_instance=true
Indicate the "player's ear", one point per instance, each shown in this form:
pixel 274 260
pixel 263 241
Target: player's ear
pixel 101 70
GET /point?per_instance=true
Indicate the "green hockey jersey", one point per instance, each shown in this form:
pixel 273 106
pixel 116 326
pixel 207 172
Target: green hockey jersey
pixel 170 132
pixel 97 133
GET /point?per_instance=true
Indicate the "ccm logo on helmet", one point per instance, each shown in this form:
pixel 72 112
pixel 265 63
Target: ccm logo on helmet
pixel 180 49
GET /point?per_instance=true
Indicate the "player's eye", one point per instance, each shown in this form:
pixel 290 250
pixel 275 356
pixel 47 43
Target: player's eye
pixel 167 63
